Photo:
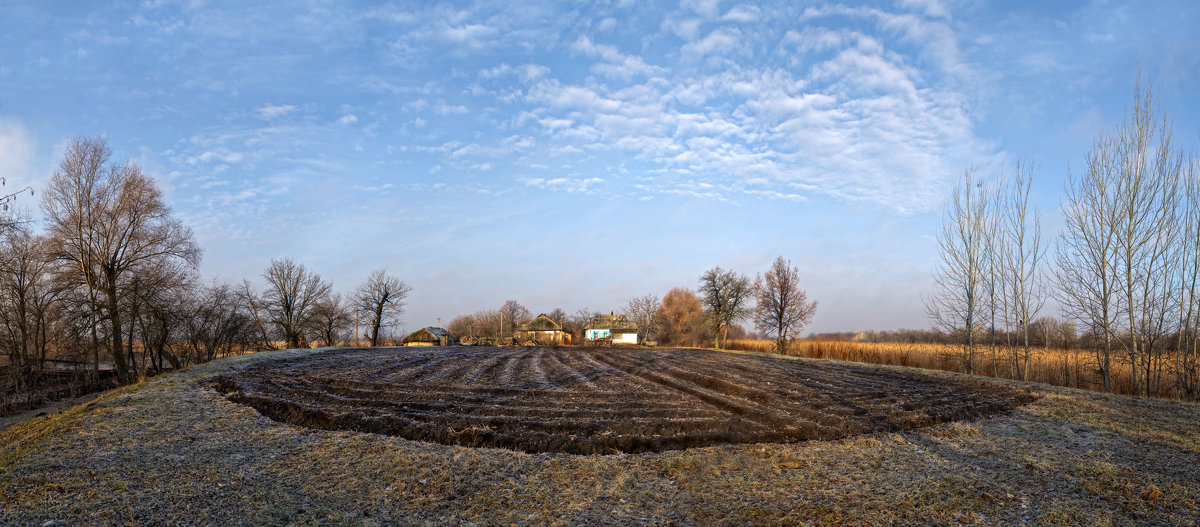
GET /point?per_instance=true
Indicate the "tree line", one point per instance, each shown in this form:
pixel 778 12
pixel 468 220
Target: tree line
pixel 111 283
pixel 773 300
pixel 1125 267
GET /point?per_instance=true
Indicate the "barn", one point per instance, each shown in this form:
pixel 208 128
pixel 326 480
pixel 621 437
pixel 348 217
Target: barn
pixel 429 336
pixel 541 330
pixel 616 329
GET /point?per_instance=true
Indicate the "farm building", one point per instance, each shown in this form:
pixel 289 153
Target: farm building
pixel 541 330
pixel 615 328
pixel 429 336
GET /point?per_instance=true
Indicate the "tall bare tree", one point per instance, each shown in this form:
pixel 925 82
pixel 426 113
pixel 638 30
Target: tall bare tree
pixel 962 270
pixel 1022 264
pixel 380 300
pixel 781 307
pixel 643 312
pixel 1086 254
pixel 1187 348
pixel 110 222
pixel 724 294
pixel 1149 170
pixel 292 293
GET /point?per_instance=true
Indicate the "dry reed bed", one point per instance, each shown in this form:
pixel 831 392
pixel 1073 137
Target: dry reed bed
pixel 1071 368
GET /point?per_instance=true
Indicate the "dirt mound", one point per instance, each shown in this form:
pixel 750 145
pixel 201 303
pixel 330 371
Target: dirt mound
pixel 587 401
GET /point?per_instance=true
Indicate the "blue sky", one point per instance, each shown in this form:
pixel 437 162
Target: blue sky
pixel 576 155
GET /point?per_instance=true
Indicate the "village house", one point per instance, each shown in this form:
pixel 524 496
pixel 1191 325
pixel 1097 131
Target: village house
pixel 616 329
pixel 429 336
pixel 541 330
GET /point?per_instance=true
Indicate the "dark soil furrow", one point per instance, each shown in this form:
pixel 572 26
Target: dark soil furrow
pixel 601 400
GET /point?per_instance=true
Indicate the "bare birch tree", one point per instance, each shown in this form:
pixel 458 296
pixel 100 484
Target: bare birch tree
pixel 962 269
pixel 1086 254
pixel 781 307
pixel 1187 348
pixel 1147 196
pixel 1023 262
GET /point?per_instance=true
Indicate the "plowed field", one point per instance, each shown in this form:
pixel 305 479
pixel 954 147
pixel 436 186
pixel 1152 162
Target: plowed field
pixel 586 401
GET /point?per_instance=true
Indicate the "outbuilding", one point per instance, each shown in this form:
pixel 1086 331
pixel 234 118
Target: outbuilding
pixel 429 336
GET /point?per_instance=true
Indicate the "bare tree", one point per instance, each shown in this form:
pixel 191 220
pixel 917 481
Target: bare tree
pixel 28 293
pixel 582 317
pixel 724 294
pixel 256 309
pixel 1147 185
pixel 1187 348
pixel 292 293
pixel 1086 255
pixel 157 307
pixel 781 307
pixel 962 269
pixel 217 323
pixel 1022 263
pixel 331 319
pixel 481 324
pixel 513 314
pixel 643 312
pixel 110 222
pixel 381 302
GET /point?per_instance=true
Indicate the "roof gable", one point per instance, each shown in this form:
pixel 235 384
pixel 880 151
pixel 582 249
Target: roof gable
pixel 541 323
pixel 612 322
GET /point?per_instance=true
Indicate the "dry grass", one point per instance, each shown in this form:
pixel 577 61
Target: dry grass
pixel 1072 368
pixel 172 451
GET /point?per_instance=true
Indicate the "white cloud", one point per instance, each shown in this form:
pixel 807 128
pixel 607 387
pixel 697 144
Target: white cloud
pixel 743 13
pixel 347 119
pixel 615 63
pixel 930 8
pixel 722 41
pixel 447 109
pixel 582 186
pixel 222 156
pixel 16 157
pixel 375 189
pixel 271 112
